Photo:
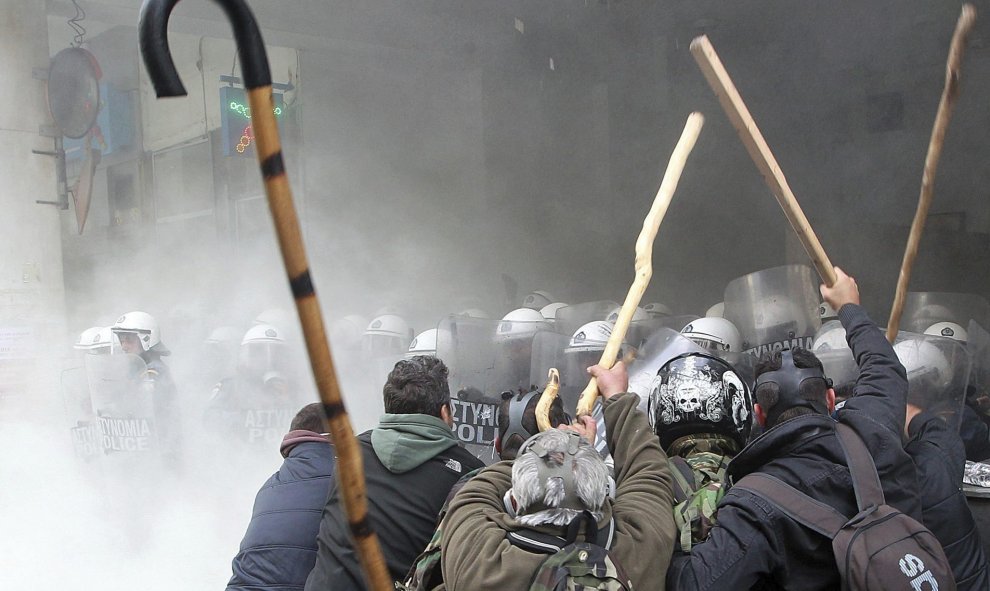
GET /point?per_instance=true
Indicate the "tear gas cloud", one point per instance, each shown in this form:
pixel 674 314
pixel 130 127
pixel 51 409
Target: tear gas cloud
pixel 457 158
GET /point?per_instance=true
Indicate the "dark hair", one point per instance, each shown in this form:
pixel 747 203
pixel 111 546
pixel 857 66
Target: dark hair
pixel 812 391
pixel 309 418
pixel 417 385
pixel 510 447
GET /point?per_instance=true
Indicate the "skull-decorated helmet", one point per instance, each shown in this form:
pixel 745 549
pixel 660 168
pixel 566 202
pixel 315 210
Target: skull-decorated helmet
pixel 695 393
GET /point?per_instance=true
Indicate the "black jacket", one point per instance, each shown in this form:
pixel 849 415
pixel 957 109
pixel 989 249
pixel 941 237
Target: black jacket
pixel 279 548
pixel 402 509
pixel 939 454
pixel 755 545
pixel 975 434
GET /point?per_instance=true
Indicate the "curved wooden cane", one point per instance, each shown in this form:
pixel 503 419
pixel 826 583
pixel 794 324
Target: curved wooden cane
pixel 152 30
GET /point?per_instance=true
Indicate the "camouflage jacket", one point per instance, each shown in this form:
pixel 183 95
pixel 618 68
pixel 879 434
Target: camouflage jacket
pixel 698 466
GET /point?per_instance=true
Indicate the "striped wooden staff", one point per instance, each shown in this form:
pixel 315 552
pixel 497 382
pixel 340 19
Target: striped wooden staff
pixel 152 31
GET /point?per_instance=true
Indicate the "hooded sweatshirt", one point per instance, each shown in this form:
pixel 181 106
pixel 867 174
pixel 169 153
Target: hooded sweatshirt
pixel 411 461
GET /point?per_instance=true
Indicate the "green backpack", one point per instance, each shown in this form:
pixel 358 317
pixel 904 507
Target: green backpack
pixel 572 565
pixel 425 573
pixel 697 492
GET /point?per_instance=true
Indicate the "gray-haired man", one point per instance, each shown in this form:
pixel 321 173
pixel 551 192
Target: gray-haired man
pixel 556 479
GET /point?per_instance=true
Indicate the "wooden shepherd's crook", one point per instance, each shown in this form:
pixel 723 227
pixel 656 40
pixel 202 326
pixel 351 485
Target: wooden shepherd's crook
pixel 546 399
pixel 153 30
pixel 718 78
pixel 644 254
pixel 942 117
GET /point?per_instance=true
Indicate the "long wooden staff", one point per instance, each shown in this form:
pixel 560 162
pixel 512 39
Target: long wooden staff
pixel 644 254
pixel 153 27
pixel 718 78
pixel 948 101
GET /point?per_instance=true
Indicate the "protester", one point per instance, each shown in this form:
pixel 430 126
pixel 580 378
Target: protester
pixel 516 424
pixel 279 547
pixel 702 412
pixel 940 456
pixel 411 461
pixel 491 518
pixel 754 543
pixel 517 421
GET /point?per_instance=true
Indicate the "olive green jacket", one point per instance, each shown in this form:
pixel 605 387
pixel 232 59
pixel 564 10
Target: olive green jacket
pixel 477 556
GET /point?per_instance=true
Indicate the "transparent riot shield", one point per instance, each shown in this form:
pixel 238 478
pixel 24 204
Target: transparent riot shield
pixel 831 348
pixel 774 309
pixel 467 346
pixel 80 420
pixel 840 367
pixel 978 346
pixel 922 309
pixel 550 350
pixel 123 403
pixel 258 412
pixel 571 318
pixel 938 371
pixel 661 347
pixel 641 330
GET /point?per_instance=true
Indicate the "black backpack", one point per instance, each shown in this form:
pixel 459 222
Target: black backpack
pixel 878 548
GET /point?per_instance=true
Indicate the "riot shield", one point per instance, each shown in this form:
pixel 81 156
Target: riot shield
pixel 774 309
pixel 840 367
pixel 550 350
pixel 922 309
pixel 978 391
pixel 641 330
pixel 123 403
pixel 661 347
pixel 80 419
pixel 254 412
pixel 571 318
pixel 938 370
pixel 467 346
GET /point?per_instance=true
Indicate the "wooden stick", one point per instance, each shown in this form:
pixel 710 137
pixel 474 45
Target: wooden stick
pixel 350 470
pixel 546 399
pixel 945 106
pixel 152 30
pixel 718 78
pixel 644 253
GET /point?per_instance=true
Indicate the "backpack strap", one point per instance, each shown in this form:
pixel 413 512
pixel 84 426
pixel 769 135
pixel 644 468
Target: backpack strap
pixel 541 543
pixel 807 511
pixel 684 481
pixel 534 541
pixel 862 468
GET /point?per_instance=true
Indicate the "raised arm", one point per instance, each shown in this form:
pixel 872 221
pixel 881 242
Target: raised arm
pixel 881 389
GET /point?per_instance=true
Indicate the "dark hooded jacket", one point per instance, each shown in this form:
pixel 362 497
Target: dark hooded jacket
pixel 753 544
pixel 940 456
pixel 411 461
pixel 279 548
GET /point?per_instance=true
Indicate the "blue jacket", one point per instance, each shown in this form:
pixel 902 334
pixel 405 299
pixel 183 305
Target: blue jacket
pixel 754 544
pixel 279 548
